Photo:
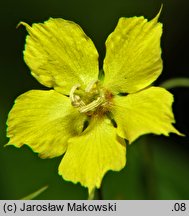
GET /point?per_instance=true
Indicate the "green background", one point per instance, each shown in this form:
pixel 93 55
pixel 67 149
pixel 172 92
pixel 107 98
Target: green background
pixel 157 166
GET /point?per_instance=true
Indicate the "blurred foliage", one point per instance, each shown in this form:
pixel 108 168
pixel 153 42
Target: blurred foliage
pixel 157 167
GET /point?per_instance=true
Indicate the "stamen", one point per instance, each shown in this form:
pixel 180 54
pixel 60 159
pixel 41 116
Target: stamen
pixel 72 96
pixel 91 85
pixel 92 105
pixel 92 93
pixel 75 99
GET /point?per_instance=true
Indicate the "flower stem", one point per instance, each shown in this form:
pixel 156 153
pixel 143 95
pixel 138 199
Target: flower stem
pixel 95 194
pixel 175 82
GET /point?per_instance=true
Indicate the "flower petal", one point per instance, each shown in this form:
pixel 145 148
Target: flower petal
pixel 133 57
pixel 44 120
pixel 90 155
pixel 60 55
pixel 147 111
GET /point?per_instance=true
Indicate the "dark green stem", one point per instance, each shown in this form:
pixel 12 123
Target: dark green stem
pixel 175 83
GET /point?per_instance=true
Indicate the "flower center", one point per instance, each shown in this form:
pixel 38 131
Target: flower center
pixel 93 100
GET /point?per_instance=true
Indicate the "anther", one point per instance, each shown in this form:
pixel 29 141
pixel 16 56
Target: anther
pixel 91 85
pixel 72 96
pixel 91 106
pixel 75 99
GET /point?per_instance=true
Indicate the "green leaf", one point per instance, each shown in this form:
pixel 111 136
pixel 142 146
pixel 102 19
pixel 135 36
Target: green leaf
pixel 35 194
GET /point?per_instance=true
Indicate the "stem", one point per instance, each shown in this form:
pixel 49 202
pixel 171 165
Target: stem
pixel 175 82
pixel 98 194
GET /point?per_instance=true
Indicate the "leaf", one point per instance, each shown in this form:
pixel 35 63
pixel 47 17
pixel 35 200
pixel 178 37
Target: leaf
pixel 35 194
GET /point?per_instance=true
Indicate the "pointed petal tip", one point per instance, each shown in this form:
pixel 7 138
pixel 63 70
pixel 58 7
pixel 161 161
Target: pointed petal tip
pixel 155 19
pixel 7 144
pixel 18 25
pixel 21 23
pixel 179 133
pixel 28 27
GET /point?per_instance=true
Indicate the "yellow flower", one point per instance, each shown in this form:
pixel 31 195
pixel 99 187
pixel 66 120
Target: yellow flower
pixel 83 117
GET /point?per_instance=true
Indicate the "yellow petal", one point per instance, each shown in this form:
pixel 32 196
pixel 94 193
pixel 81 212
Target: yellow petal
pixel 60 55
pixel 90 155
pixel 133 54
pixel 147 111
pixel 44 120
